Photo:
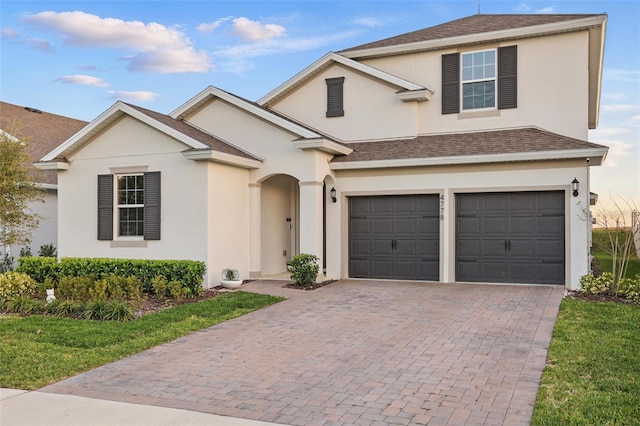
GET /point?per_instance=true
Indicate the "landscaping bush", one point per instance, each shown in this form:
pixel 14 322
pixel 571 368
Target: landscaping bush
pixel 628 288
pixel 188 273
pixel 14 285
pixel 40 268
pixel 304 269
pixel 596 285
pixel 48 250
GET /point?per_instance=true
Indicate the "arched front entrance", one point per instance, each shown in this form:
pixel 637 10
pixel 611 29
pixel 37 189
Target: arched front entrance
pixel 279 223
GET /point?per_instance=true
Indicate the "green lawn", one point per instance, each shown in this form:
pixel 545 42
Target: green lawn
pixel 39 350
pixel 592 376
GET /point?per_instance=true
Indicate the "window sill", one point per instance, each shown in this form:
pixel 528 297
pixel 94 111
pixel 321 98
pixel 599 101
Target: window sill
pixel 478 114
pixel 129 243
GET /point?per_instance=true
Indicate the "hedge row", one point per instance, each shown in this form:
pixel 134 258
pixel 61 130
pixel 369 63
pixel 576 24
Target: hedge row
pixel 189 273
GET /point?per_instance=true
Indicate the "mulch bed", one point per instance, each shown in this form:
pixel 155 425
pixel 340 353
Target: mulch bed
pixel 155 304
pixel 308 287
pixel 600 298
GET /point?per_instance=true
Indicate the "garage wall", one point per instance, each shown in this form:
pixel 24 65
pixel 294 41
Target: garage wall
pixel 447 181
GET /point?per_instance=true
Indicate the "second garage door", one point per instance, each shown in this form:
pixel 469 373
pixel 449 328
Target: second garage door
pixel 512 237
pixel 394 237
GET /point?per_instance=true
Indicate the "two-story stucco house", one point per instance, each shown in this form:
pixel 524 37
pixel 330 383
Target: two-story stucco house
pixel 457 153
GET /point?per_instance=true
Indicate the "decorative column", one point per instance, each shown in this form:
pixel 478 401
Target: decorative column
pixel 254 230
pixel 311 218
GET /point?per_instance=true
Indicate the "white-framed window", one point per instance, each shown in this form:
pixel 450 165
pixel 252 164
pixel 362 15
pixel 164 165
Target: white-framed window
pixel 130 205
pixel 479 88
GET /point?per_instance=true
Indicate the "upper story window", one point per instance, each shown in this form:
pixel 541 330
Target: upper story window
pixel 479 80
pixel 335 97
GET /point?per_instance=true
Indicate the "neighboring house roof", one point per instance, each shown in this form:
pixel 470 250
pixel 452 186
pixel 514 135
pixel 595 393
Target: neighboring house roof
pixel 521 144
pixel 44 131
pixel 201 145
pixel 404 86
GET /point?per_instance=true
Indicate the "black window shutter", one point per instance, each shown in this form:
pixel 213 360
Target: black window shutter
pixel 105 207
pixel 451 83
pixel 335 98
pixel 508 77
pixel 152 206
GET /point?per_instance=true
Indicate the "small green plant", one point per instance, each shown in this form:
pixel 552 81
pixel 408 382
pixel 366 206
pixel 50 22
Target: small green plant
pixel 160 286
pixel 26 305
pixel 47 250
pixel 15 284
pixel 26 251
pixel 304 269
pixel 6 263
pixel 176 290
pixel 230 274
pixel 630 287
pixel 596 285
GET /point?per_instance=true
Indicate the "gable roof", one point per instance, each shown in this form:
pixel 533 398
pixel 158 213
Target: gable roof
pixel 192 137
pixel 328 60
pixel 44 131
pixel 519 144
pixel 466 30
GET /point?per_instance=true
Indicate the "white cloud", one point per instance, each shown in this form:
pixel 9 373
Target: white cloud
pixel 368 21
pixel 619 107
pixel 549 9
pixel 615 96
pixel 607 132
pixel 272 47
pixel 85 80
pixel 250 30
pixel 140 96
pixel 618 150
pixel 39 44
pixel 630 76
pixel 8 33
pixel 158 48
pixel 523 7
pixel 207 28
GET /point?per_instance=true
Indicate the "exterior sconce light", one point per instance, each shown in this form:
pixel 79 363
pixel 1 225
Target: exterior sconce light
pixel 333 194
pixel 575 186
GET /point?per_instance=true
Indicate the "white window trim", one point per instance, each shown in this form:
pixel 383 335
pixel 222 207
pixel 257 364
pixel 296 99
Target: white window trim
pixel 480 80
pixel 117 206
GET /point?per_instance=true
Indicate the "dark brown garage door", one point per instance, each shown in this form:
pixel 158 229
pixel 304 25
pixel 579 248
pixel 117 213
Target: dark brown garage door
pixel 394 237
pixel 513 237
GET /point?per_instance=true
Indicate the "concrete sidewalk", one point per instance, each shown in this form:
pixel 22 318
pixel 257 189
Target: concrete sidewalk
pixel 22 408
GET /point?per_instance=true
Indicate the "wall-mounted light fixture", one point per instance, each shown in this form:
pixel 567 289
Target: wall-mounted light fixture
pixel 575 186
pixel 333 194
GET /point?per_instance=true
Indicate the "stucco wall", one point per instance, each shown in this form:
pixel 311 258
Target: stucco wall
pixel 448 181
pixel 552 94
pixel 552 86
pixel 371 108
pixel 184 195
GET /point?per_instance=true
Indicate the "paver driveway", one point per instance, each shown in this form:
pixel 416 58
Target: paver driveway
pixel 354 352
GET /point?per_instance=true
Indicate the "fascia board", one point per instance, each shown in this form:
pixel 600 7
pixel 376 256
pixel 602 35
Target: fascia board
pixel 246 106
pixel 596 156
pixel 116 110
pixel 350 63
pixel 51 165
pixel 221 157
pixel 415 95
pixel 514 33
pixel 323 145
pixel 596 64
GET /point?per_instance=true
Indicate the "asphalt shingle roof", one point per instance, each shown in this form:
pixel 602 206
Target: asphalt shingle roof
pixel 511 141
pixel 475 24
pixel 44 130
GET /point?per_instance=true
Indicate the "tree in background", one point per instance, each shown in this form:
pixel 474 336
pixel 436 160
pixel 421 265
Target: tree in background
pixel 18 189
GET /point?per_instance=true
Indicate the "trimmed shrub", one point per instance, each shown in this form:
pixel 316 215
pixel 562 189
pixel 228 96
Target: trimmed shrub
pixel 14 285
pixel 304 269
pixel 630 287
pixel 596 285
pixel 40 268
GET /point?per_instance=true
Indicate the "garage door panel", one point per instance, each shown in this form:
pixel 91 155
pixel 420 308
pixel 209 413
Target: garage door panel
pixel 401 239
pixel 470 225
pixel 494 226
pixel 382 247
pixel 520 237
pixel 406 226
pixel 360 226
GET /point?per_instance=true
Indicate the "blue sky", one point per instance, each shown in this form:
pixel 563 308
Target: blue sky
pixel 78 58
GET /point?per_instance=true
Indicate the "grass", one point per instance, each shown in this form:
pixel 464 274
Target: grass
pixel 592 376
pixel 601 251
pixel 40 350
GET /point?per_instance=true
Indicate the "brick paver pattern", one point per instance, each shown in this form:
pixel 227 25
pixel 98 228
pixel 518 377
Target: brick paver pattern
pixel 353 352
